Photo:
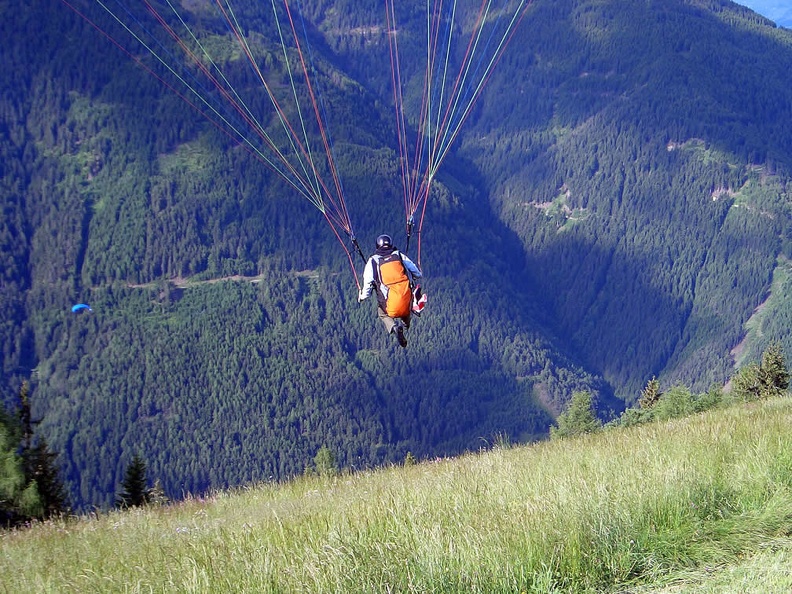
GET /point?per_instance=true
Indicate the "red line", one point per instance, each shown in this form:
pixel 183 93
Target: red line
pixel 341 206
pixel 229 98
pixel 331 218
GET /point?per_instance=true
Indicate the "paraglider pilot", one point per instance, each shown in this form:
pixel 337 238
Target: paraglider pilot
pixel 392 275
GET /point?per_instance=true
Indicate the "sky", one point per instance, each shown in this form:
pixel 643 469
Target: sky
pixel 779 11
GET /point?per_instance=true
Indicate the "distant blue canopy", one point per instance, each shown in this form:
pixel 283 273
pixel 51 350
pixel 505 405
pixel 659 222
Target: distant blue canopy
pixel 79 307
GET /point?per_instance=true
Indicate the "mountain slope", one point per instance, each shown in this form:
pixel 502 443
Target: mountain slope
pixel 222 383
pixel 654 201
pixel 614 211
pixel 641 152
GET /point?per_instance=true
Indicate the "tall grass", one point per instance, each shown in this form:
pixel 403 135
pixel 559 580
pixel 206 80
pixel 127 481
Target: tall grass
pixel 623 507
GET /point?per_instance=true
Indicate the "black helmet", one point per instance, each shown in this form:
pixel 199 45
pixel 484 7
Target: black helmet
pixel 384 242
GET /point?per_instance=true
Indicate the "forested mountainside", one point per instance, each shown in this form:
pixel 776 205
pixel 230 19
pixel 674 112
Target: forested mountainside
pixel 665 188
pixel 615 210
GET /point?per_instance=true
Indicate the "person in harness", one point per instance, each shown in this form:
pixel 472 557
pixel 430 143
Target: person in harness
pixel 392 274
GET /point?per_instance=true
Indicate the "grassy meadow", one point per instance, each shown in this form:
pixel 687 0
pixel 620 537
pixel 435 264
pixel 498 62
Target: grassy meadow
pixel 698 504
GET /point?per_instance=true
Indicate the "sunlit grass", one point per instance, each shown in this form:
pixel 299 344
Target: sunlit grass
pixel 623 507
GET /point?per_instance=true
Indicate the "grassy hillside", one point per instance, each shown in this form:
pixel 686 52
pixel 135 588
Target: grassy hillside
pixel 703 502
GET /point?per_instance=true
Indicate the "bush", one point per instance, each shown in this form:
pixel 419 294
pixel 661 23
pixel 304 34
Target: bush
pixel 677 402
pixel 709 400
pixel 634 416
pixel 746 385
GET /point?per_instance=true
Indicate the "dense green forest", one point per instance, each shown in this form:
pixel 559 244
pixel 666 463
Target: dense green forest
pixel 617 209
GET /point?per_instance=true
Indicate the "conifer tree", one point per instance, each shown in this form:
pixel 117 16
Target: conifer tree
pixel 40 467
pixel 770 378
pixel 157 494
pixel 325 462
pixel 578 419
pixel 774 374
pixel 19 499
pixel 650 394
pixel 135 490
pixel 25 416
pixel 39 462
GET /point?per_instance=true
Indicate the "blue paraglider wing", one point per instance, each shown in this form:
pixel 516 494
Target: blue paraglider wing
pixel 80 307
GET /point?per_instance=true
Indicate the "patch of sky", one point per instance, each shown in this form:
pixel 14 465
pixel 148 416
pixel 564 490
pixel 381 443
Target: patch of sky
pixel 778 11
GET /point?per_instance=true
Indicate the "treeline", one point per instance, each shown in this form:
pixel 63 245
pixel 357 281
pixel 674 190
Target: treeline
pixel 755 381
pixel 31 487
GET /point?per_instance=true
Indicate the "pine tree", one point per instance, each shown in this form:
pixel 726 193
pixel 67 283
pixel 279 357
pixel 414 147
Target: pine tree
pixel 578 419
pixel 39 464
pixel 774 375
pixel 650 394
pixel 40 467
pixel 770 378
pixel 325 462
pixel 19 499
pixel 136 491
pixel 25 416
pixel 157 494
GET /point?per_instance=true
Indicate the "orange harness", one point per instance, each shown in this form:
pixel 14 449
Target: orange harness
pixel 393 275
